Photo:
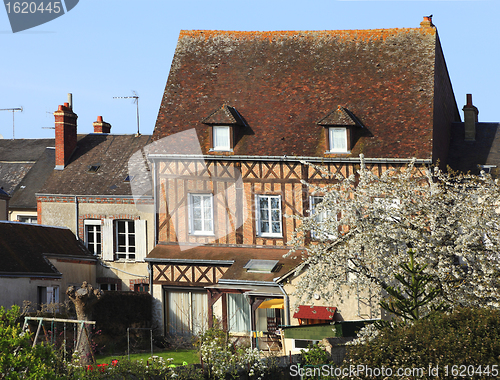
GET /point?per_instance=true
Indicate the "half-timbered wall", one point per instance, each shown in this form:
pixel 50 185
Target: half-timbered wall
pixel 235 186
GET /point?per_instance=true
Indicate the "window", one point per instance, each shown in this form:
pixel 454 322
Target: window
pixel 201 214
pixel 186 311
pixel 269 215
pixel 221 138
pixel 48 295
pixel 107 287
pixel 321 217
pixel 303 345
pixel 125 239
pixel 143 288
pixel 27 219
pixel 93 236
pixel 238 313
pixel 338 139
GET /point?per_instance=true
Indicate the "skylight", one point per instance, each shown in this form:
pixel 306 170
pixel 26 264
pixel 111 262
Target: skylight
pixel 261 266
pixel 94 168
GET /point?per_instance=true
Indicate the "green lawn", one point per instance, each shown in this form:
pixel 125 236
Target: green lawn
pixel 179 356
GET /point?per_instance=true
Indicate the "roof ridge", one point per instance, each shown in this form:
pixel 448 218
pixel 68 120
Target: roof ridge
pixel 360 33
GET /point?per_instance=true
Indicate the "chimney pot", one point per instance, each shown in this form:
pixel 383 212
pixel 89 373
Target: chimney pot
pixel 66 105
pixel 469 100
pixel 99 119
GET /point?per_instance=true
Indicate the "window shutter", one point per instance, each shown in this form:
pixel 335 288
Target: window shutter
pixel 140 240
pixel 107 240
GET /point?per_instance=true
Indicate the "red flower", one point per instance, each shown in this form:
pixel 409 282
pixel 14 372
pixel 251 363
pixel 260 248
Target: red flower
pixel 114 362
pixel 90 368
pixel 103 367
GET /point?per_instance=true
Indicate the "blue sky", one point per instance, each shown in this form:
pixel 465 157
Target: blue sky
pixel 107 48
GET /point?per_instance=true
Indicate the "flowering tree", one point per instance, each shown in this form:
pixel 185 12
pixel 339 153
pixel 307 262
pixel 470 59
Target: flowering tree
pixel 361 228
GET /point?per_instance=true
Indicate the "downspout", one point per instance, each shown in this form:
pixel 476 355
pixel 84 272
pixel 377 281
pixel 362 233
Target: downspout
pixel 76 218
pixel 286 306
pixel 155 203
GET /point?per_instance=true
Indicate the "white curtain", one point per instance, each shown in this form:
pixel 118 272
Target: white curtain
pixel 187 312
pixel 238 313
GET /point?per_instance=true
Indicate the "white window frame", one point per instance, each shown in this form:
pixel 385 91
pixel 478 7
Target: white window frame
pixel 269 219
pixel 204 197
pixel 313 201
pixel 93 223
pixel 32 219
pixel 331 140
pixel 127 253
pixel 220 145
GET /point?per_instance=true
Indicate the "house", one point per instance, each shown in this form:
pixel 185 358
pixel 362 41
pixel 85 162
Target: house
pixel 241 114
pixel 25 165
pixel 38 263
pixel 90 191
pixel 475 146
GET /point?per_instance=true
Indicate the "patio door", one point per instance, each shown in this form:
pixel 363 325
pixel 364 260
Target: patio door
pixel 186 311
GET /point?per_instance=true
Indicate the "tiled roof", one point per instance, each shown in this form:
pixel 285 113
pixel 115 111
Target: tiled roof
pixel 465 156
pixel 17 157
pixel 23 149
pixel 283 83
pixel 240 256
pixel 315 312
pixel 24 248
pixel 100 165
pixel 24 196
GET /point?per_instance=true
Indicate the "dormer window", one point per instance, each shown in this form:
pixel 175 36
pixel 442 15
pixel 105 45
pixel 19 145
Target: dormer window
pixel 223 128
pixel 221 138
pixel 340 126
pixel 338 140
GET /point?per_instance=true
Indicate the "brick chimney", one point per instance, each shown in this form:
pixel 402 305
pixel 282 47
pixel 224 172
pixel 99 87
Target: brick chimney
pixel 101 126
pixel 65 123
pixel 427 22
pixel 470 119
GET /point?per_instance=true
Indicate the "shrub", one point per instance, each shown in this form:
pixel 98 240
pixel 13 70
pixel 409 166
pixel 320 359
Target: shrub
pixel 18 359
pixel 463 343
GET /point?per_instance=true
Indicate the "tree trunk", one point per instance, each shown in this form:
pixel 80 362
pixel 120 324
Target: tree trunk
pixel 84 299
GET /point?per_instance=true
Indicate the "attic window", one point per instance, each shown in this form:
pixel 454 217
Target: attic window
pixel 337 138
pixel 222 138
pixel 128 178
pixel 223 125
pixel 340 126
pixel 94 168
pixel 260 266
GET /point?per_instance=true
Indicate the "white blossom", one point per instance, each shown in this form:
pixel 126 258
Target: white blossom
pixel 369 223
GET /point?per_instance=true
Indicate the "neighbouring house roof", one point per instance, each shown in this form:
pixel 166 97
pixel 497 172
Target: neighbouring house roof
pixel 17 159
pixel 24 249
pixel 234 257
pixel 315 312
pixel 100 166
pixel 473 156
pixel 24 196
pixel 280 88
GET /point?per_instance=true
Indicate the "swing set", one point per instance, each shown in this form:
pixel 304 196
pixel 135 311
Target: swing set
pixel 51 336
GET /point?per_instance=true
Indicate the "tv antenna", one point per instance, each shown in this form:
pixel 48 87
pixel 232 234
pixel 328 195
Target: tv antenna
pixel 136 101
pixel 12 110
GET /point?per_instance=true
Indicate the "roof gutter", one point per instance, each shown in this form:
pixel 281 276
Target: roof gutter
pixel 95 196
pixel 270 284
pixel 190 261
pixel 158 157
pixel 31 275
